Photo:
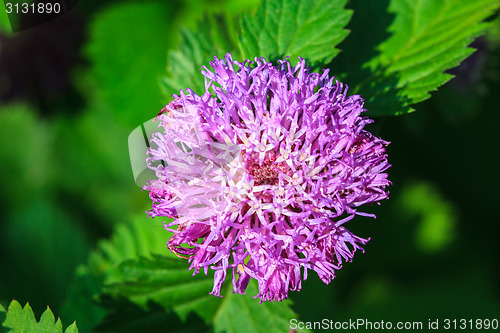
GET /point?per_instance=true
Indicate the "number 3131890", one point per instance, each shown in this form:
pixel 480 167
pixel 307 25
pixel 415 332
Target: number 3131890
pixel 463 324
pixel 39 8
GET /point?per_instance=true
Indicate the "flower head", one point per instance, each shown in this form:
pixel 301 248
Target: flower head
pixel 262 172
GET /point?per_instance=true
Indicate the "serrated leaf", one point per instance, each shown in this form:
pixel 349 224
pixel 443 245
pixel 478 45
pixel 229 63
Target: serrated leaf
pixel 428 38
pixel 80 301
pixel 140 237
pixel 242 312
pixel 306 28
pixel 166 281
pixel 22 320
pixel 131 267
pixel 215 36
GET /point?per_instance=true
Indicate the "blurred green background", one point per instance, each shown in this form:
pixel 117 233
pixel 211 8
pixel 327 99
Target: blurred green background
pixel 71 91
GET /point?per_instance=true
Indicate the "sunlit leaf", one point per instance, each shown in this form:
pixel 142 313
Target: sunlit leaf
pixel 19 319
pixel 305 28
pixel 237 313
pixel 140 237
pixel 428 38
pixel 166 281
pixel 302 28
pixel 215 36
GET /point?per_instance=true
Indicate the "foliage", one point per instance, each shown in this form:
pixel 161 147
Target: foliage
pixel 66 182
pixel 297 28
pixel 216 35
pixel 138 237
pixel 428 38
pixel 138 273
pixel 19 319
pixel 127 64
pixel 165 281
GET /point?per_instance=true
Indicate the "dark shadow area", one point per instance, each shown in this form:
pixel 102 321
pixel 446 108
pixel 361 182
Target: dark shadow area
pixel 129 317
pixel 73 202
pixel 37 65
pixel 382 95
pixel 368 26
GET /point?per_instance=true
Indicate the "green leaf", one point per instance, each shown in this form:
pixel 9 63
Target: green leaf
pixel 136 265
pixel 286 34
pixel 80 303
pixel 305 28
pixel 20 320
pixel 4 22
pixel 428 38
pixel 126 46
pixel 138 237
pixel 238 312
pixel 130 267
pixel 215 36
pixel 141 237
pixel 166 281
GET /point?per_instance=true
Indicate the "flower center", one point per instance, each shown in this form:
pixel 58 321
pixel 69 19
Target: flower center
pixel 267 173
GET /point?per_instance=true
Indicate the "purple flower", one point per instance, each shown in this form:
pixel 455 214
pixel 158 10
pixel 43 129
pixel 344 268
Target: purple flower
pixel 262 172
